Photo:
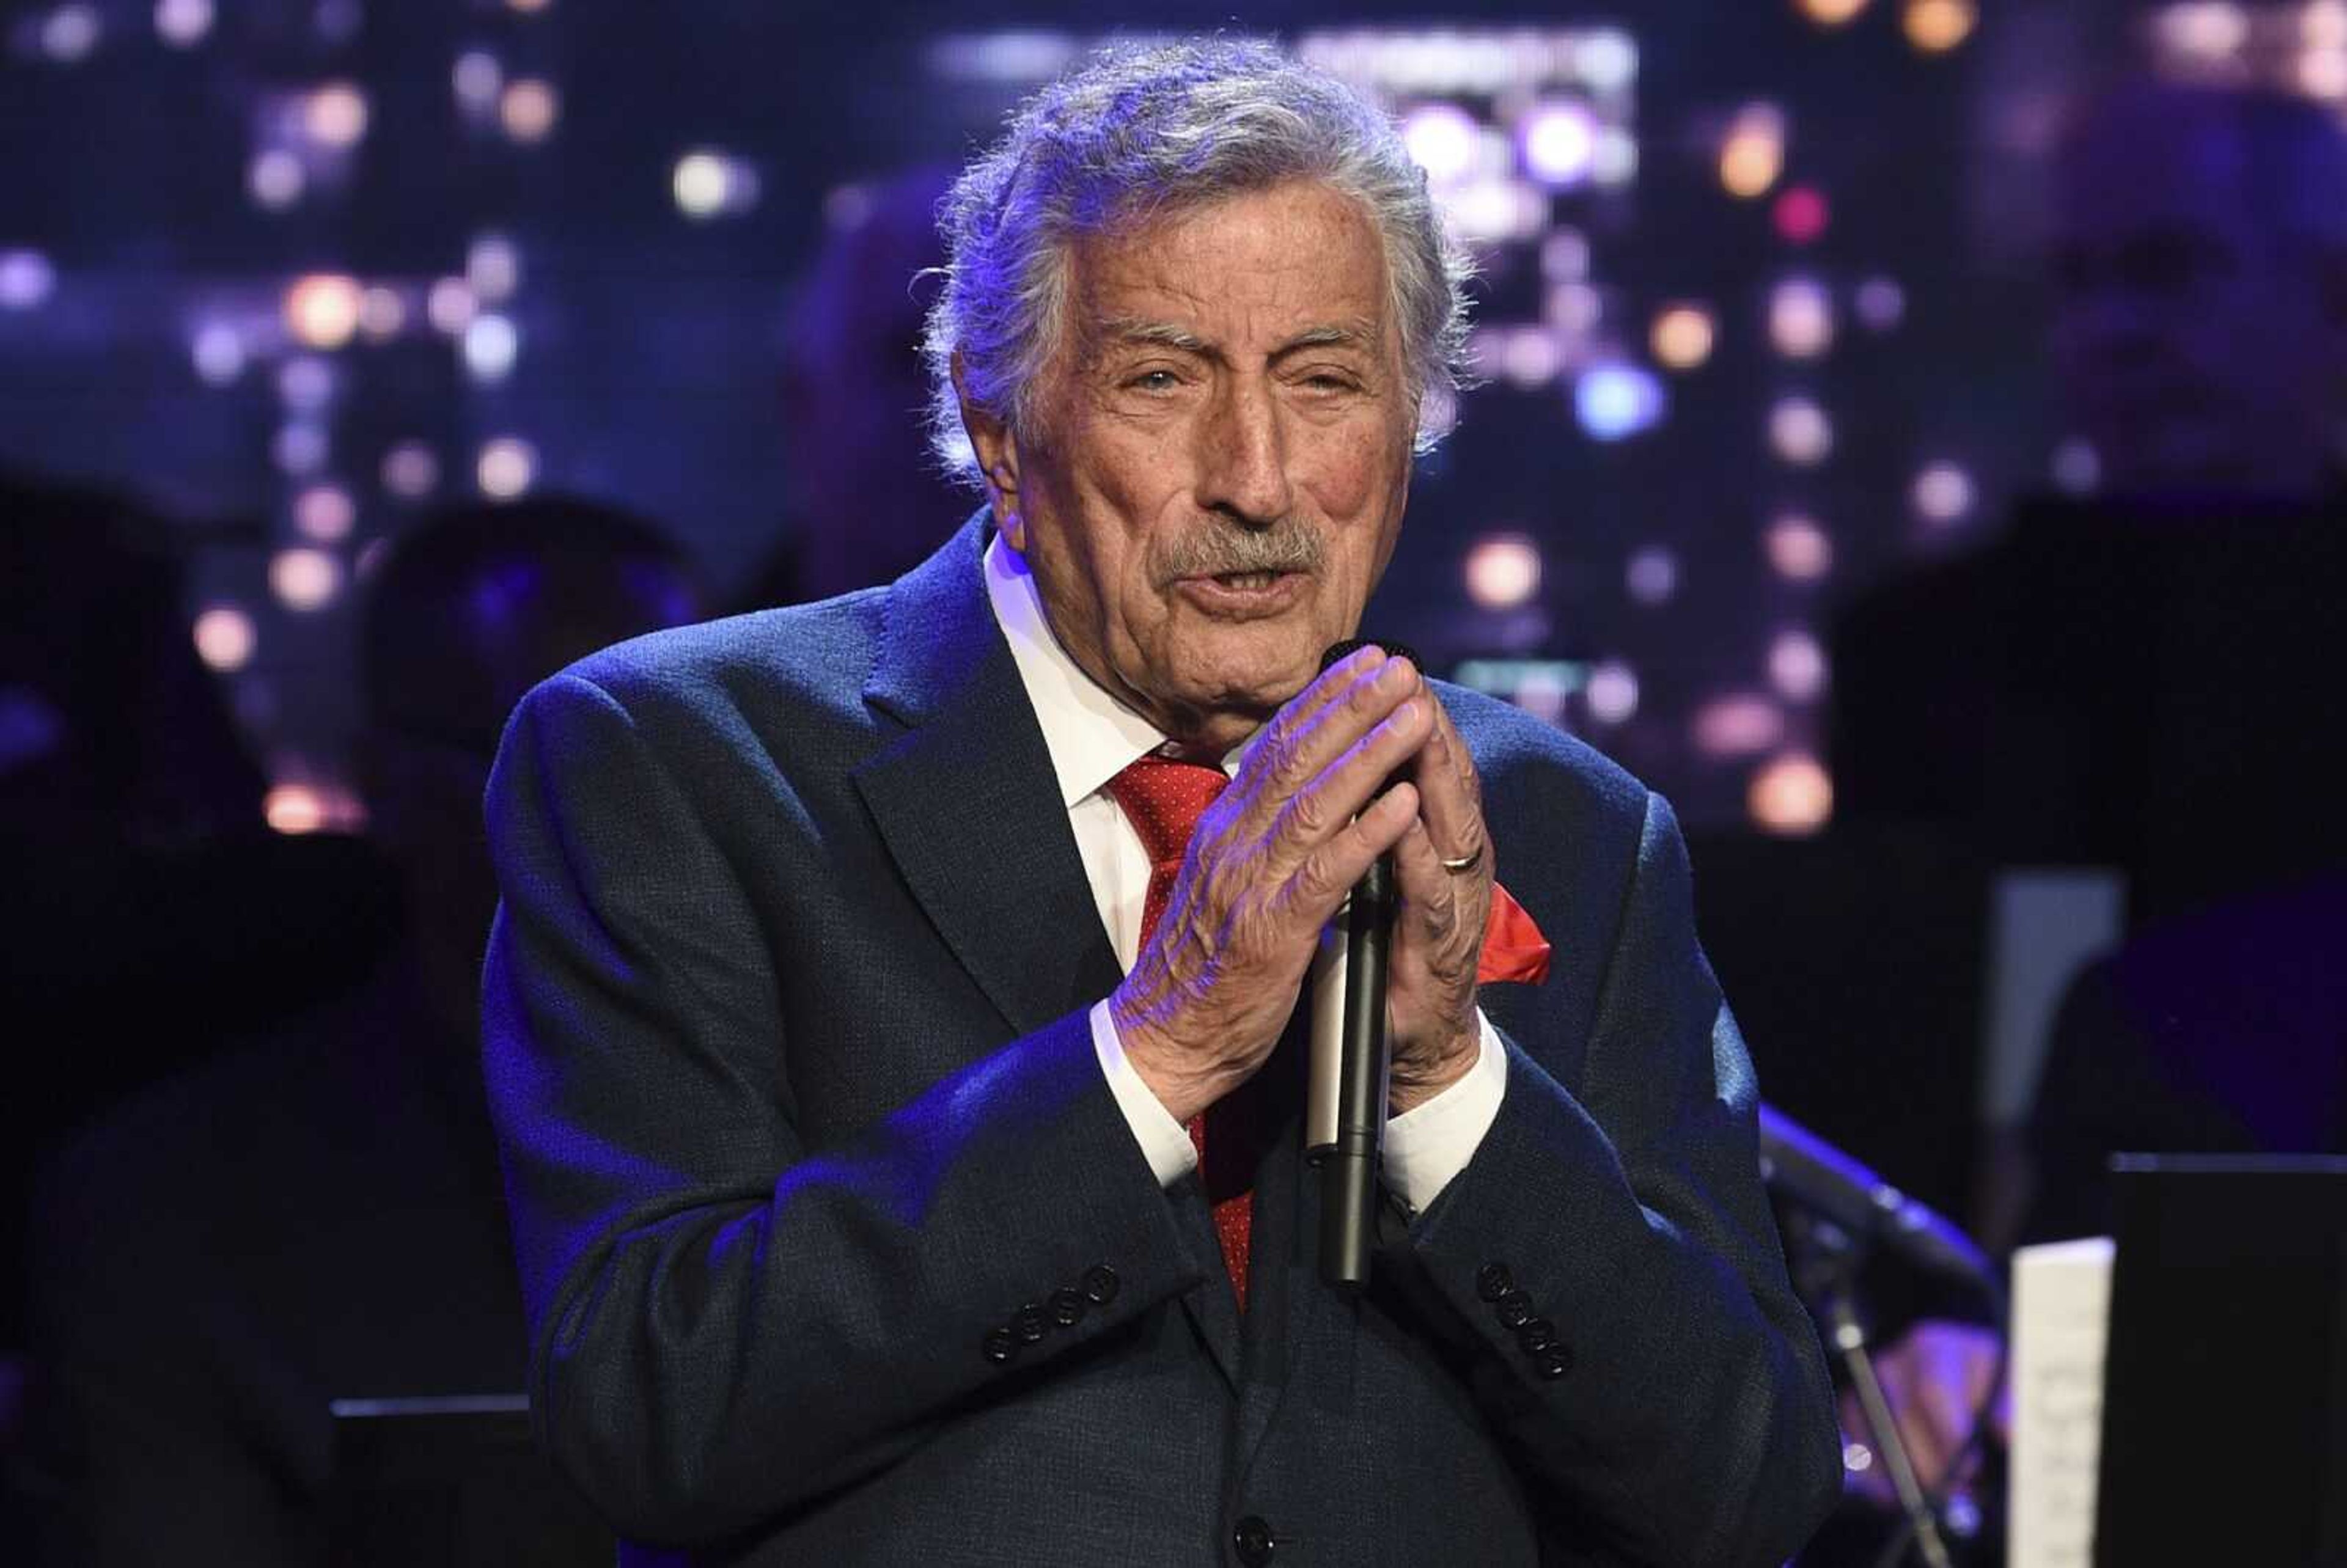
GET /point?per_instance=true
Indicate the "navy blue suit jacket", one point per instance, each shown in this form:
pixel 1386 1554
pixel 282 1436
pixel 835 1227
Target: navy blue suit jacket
pixel 787 1050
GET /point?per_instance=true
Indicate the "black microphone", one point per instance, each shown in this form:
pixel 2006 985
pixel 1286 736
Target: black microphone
pixel 1345 1094
pixel 1805 1168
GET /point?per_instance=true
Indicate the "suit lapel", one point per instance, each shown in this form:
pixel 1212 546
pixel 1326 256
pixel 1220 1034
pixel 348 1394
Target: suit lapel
pixel 969 806
pixel 966 804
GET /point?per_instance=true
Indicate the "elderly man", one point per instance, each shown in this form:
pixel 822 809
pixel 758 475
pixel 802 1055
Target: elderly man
pixel 861 965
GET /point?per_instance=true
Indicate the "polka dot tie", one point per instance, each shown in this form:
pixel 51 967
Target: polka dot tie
pixel 1162 798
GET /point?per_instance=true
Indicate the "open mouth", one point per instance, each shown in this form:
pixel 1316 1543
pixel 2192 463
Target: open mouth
pixel 1247 579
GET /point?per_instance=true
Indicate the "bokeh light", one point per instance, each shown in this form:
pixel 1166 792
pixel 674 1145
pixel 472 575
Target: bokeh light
pixel 304 579
pixel 1612 691
pixel 1615 402
pixel 322 309
pixel 707 183
pixel 527 108
pixel 183 23
pixel 1607 60
pixel 70 32
pixel 1651 575
pixel 411 470
pixel 335 115
pixel 324 513
pixel 1503 570
pixel 299 448
pixel 1881 304
pixel 1752 154
pixel 492 268
pixel 478 79
pixel 450 305
pixel 1790 794
pixel 1801 318
pixel 2207 30
pixel 1798 431
pixel 507 467
pixel 275 179
pixel 305 384
pixel 2077 468
pixel 1799 550
pixel 1682 336
pixel 218 353
pixel 1738 724
pixel 491 345
pixel 1942 493
pixel 1443 139
pixel 1796 666
pixel 1831 13
pixel 1800 214
pixel 293 808
pixel 1559 141
pixel 1936 26
pixel 382 313
pixel 27 279
pixel 225 639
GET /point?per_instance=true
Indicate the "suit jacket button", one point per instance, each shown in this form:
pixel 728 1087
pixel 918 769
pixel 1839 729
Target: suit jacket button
pixel 1493 1281
pixel 1537 1336
pixel 1030 1323
pixel 1516 1310
pixel 1068 1307
pixel 1553 1362
pixel 1100 1284
pixel 998 1345
pixel 1252 1540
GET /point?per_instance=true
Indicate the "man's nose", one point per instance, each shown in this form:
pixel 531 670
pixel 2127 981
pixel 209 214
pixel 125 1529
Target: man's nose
pixel 1242 464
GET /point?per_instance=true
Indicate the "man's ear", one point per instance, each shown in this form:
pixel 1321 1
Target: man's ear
pixel 997 445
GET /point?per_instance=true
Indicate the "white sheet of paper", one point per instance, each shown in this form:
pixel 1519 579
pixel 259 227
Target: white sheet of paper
pixel 2061 1322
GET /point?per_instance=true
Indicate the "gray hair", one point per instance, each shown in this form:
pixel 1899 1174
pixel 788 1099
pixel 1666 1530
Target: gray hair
pixel 1142 133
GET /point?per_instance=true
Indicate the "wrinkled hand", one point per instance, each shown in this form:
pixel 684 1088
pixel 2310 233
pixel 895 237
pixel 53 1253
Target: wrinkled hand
pixel 1934 1378
pixel 1272 859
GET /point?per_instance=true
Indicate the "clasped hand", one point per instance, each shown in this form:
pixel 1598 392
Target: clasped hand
pixel 1276 856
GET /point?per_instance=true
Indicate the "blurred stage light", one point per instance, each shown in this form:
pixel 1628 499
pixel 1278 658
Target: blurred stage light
pixel 2077 468
pixel 1615 402
pixel 224 639
pixel 1800 215
pixel 478 79
pixel 1739 724
pixel 527 108
pixel 1613 693
pixel 507 466
pixel 305 384
pixel 1652 576
pixel 1942 493
pixel 26 280
pixel 1573 309
pixel 706 183
pixel 492 268
pixel 1614 158
pixel 1752 155
pixel 1531 357
pixel 382 313
pixel 2323 74
pixel 299 449
pixel 1799 550
pixel 1935 26
pixel 491 345
pixel 1503 570
pixel 304 580
pixel 1607 60
pixel 324 513
pixel 1796 666
pixel 1831 13
pixel 1790 794
pixel 217 352
pixel 2322 24
pixel 335 115
pixel 69 33
pixel 1492 210
pixel 2207 30
pixel 1798 431
pixel 449 306
pixel 1882 304
pixel 1442 138
pixel 322 309
pixel 183 23
pixel 275 179
pixel 293 808
pixel 1682 336
pixel 410 470
pixel 1559 141
pixel 528 6
pixel 338 20
pixel 1801 318
pixel 1564 256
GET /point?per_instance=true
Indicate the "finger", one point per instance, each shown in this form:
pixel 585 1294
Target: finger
pixel 1325 877
pixel 1296 750
pixel 1446 776
pixel 1333 798
pixel 1436 900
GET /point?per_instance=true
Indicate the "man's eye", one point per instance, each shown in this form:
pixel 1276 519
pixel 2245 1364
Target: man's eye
pixel 1155 381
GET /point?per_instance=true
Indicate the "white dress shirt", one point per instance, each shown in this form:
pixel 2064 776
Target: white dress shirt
pixel 1091 738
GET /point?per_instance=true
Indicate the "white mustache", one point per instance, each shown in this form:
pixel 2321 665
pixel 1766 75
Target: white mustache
pixel 1222 551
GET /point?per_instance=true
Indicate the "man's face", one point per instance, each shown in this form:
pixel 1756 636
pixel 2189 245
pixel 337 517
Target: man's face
pixel 2197 347
pixel 1217 460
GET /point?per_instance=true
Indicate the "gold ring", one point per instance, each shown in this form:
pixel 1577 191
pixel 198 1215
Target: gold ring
pixel 1465 863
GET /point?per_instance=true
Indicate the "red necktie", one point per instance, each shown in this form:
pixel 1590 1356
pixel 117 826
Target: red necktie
pixel 1162 798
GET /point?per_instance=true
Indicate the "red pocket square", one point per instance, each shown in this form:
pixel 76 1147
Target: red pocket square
pixel 1513 947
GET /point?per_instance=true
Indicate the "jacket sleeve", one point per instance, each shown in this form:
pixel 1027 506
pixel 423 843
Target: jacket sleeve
pixel 1610 1253
pixel 726 1323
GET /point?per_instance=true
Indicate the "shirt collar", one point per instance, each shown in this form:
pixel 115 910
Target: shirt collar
pixel 1091 736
